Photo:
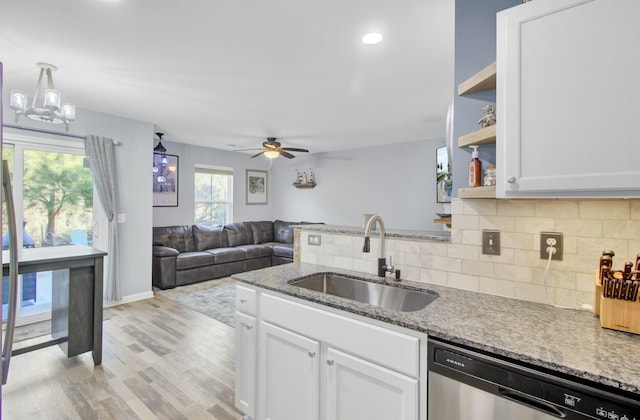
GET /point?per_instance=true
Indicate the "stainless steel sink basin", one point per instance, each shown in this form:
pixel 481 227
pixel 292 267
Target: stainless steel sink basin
pixel 396 298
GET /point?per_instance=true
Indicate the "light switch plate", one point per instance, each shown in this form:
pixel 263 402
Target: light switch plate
pixel 314 240
pixel 491 242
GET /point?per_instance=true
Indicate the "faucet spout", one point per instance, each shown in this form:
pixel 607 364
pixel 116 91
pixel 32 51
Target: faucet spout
pixel 367 234
pixel 383 267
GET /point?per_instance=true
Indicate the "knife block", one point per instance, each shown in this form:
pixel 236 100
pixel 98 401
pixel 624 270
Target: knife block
pixel 617 314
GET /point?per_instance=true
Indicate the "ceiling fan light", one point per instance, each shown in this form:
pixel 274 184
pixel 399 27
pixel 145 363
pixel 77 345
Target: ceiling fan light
pixel 271 154
pixel 372 38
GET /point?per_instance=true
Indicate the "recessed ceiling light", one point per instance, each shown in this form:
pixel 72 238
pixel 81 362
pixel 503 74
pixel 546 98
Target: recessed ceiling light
pixel 372 38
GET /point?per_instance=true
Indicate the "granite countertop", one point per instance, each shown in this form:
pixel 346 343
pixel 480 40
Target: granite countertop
pixel 424 235
pixel 563 340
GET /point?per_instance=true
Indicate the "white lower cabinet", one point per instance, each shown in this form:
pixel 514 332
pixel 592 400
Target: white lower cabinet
pixel 357 389
pixel 288 375
pixel 316 363
pixel 246 350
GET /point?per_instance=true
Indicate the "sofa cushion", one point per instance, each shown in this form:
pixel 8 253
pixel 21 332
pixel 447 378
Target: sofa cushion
pixel 209 237
pixel 282 250
pixel 283 232
pixel 178 237
pixel 256 251
pixel 262 231
pixel 223 255
pixel 164 251
pixel 239 233
pixel 188 260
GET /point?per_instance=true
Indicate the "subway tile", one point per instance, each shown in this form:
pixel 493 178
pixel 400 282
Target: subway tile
pixel 480 207
pixel 323 259
pixel 462 281
pixel 478 268
pixel 496 286
pixel 634 209
pixel 433 248
pixel 463 251
pixel 586 282
pixel 534 292
pixel 446 264
pixel 502 223
pixel 516 240
pixel 456 236
pixel 594 246
pixel 634 249
pixel 365 266
pixel 418 260
pixel 623 229
pixel 472 237
pixel 534 224
pixel 518 208
pixel 466 222
pixel 433 276
pixel 507 256
pixel 605 209
pixel 515 273
pixel 555 278
pixel 308 258
pixel 342 262
pixel 528 258
pixel 410 273
pixel 556 208
pixel 405 246
pixel 579 227
pixel 457 206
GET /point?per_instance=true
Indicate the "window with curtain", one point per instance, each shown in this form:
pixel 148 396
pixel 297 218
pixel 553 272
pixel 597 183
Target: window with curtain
pixel 213 195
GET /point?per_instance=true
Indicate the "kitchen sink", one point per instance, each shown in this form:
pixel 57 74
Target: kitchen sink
pixel 396 298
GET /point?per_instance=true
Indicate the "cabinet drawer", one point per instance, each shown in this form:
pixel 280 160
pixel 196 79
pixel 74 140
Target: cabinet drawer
pixel 385 347
pixel 246 300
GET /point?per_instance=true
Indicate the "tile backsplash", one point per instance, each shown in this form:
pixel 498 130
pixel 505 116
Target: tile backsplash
pixel 588 228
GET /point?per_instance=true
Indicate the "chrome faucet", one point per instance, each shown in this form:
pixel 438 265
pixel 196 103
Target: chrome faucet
pixel 383 267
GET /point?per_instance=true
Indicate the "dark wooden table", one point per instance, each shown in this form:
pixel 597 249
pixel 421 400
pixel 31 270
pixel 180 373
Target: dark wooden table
pixel 76 308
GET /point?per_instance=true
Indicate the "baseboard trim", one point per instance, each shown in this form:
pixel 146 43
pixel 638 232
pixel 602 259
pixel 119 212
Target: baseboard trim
pixel 129 299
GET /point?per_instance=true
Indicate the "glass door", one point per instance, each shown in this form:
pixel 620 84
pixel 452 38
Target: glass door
pixel 53 191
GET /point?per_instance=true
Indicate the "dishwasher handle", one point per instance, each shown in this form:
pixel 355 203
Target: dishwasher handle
pixel 532 402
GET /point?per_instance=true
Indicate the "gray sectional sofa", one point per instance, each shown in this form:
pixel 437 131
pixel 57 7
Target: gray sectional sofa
pixel 188 254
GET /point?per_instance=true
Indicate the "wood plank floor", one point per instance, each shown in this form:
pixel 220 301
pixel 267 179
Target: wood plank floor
pixel 160 361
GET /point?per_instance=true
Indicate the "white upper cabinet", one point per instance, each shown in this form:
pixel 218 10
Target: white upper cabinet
pixel 568 99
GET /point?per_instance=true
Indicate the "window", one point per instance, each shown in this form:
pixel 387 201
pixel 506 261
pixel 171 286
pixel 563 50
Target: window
pixel 213 195
pixel 54 203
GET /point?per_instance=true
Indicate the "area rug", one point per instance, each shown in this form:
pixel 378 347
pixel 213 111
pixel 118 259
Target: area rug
pixel 213 298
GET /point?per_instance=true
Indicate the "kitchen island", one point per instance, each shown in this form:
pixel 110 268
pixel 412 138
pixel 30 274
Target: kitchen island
pixel 566 341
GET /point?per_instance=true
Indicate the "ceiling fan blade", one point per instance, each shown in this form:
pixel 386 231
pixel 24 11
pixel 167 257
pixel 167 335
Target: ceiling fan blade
pixel 246 150
pixel 294 149
pixel 286 154
pixel 258 154
pixel 271 144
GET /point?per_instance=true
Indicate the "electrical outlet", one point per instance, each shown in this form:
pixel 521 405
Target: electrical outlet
pixel 554 240
pixel 314 240
pixel 491 242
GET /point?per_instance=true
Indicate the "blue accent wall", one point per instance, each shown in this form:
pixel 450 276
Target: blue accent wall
pixel 475 48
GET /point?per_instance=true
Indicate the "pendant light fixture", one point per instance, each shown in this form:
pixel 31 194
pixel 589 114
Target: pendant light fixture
pixel 51 110
pixel 160 172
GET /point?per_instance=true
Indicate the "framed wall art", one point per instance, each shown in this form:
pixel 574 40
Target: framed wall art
pixel 165 180
pixel 256 187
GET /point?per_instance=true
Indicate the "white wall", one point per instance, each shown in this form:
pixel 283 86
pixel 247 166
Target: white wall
pixel 395 181
pixel 133 160
pixel 188 157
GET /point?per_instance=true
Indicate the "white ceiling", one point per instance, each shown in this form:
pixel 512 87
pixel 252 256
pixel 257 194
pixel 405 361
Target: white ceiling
pixel 229 73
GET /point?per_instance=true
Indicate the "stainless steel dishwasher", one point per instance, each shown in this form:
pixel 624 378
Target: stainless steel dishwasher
pixel 466 384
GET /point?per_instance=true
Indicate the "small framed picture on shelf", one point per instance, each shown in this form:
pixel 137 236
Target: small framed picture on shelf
pixel 256 187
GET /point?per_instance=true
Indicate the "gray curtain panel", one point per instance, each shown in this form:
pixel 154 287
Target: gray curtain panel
pixel 101 152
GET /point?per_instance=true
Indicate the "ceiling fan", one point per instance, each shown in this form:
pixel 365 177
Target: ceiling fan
pixel 272 148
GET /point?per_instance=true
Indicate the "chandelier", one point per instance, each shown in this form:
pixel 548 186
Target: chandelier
pixel 161 171
pixel 51 109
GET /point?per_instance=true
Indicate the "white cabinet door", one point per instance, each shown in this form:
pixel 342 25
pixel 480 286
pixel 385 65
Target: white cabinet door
pixel 567 99
pixel 246 345
pixel 357 389
pixel 289 385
